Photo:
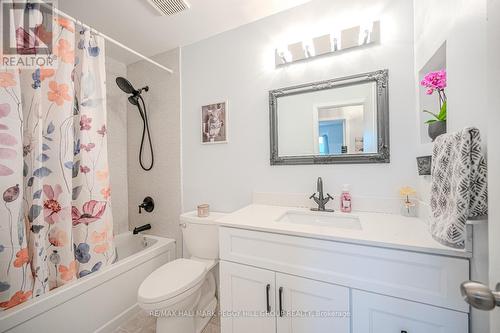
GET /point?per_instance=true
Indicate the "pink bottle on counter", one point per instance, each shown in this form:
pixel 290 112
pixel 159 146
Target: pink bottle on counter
pixel 345 200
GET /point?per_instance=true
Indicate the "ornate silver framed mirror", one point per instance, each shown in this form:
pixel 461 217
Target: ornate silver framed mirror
pixel 344 120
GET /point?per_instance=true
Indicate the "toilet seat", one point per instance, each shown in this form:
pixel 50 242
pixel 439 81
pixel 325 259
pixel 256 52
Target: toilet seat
pixel 171 280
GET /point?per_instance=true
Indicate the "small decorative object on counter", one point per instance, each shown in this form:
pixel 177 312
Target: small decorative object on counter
pixel 345 200
pixel 436 81
pixel 409 208
pixel 203 210
pixel 424 164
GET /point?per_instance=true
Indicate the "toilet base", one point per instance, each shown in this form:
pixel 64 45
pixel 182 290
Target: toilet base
pixel 205 316
pixel 193 313
pixel 188 323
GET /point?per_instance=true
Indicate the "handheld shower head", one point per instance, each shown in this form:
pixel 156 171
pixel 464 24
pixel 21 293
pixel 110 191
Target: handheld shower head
pixel 136 99
pixel 126 86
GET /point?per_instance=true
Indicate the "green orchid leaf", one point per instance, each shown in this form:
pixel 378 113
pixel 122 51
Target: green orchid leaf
pixel 431 121
pixel 431 113
pixel 442 114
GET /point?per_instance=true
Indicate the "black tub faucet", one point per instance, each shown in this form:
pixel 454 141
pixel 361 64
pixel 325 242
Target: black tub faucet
pixel 141 228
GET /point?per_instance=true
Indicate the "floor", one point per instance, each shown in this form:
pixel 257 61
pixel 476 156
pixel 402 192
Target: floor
pixel 143 323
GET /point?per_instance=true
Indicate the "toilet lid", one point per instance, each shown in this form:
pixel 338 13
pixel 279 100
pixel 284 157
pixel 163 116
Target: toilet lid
pixel 170 280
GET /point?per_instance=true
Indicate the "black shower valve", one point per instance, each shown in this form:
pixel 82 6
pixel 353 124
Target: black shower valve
pixel 147 204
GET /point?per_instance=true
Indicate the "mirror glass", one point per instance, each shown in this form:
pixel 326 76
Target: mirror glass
pixel 329 122
pixel 337 121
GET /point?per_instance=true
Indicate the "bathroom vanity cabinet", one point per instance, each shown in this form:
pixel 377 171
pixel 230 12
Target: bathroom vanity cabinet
pixel 277 302
pixel 280 283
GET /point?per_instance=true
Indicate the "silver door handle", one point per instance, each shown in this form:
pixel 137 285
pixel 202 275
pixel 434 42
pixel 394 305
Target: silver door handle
pixel 480 296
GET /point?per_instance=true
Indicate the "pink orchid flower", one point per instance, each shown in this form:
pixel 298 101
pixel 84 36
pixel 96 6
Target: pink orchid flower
pixel 92 211
pixel 434 81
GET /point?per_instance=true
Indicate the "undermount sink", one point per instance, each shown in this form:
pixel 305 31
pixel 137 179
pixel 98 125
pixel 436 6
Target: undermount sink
pixel 324 219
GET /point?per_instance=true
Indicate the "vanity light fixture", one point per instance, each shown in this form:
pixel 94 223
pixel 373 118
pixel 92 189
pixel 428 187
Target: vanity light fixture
pixel 322 44
pixel 283 56
pixel 350 37
pixel 336 40
pixel 358 36
pixel 365 33
pixel 297 51
pixel 309 49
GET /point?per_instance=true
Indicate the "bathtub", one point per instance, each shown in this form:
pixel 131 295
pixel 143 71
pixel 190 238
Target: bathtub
pixel 98 302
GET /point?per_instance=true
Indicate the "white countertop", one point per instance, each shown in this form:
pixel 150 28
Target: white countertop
pixel 377 229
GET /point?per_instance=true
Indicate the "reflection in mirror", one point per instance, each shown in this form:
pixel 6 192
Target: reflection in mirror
pixel 343 130
pixel 337 121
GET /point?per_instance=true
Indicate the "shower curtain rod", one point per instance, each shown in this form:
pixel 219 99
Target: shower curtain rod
pixel 109 39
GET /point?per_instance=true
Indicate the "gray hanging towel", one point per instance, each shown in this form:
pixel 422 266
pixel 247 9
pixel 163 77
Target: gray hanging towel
pixel 459 188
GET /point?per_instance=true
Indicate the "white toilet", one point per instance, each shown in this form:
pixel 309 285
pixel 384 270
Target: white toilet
pixel 181 293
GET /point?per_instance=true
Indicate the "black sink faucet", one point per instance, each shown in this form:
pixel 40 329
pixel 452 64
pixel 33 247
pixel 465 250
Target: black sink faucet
pixel 320 199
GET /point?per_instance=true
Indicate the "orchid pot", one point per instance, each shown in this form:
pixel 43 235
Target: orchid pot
pixel 436 128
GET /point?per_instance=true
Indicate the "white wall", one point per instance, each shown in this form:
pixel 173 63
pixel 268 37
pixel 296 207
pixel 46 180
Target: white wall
pixel 163 182
pixel 493 141
pixel 462 25
pixel 117 144
pixel 239 65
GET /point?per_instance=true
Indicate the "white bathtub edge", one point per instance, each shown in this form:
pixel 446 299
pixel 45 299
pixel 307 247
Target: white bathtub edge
pixel 35 307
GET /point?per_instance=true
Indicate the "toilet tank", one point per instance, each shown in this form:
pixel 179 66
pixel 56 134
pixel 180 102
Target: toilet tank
pixel 201 234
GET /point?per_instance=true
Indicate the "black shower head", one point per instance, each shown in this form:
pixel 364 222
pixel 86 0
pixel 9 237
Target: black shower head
pixel 128 88
pixel 125 85
pixel 136 99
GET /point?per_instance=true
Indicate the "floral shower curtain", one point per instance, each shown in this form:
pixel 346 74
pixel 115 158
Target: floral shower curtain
pixel 55 210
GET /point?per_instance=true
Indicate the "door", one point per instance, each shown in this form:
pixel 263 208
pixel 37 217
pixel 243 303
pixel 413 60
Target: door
pixel 373 313
pixel 247 299
pixel 493 32
pixel 484 297
pixel 305 306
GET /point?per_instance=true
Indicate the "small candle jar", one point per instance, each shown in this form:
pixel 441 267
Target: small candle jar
pixel 409 209
pixel 203 210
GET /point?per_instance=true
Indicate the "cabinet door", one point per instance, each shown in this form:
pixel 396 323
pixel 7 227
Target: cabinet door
pixel 374 313
pixel 311 306
pixel 247 299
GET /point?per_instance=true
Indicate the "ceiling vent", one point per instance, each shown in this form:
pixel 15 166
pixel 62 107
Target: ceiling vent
pixel 170 7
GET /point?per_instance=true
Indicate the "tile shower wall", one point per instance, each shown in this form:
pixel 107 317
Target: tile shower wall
pixel 238 65
pixel 163 182
pixel 117 144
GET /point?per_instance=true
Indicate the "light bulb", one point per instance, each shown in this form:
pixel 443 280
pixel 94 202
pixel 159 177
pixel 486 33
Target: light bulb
pixel 365 31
